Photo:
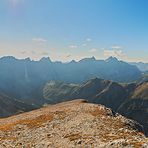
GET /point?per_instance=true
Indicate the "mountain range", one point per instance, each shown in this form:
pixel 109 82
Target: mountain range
pixel 131 100
pixel 23 79
pixel 26 85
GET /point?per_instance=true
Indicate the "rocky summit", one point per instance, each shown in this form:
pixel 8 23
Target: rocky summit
pixel 71 124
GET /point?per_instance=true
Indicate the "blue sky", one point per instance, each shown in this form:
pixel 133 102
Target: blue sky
pixel 74 29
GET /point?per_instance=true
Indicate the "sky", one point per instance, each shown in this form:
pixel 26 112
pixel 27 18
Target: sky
pixel 74 29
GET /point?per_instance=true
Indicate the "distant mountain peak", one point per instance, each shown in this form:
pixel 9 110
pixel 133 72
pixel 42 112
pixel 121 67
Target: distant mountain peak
pixel 94 79
pixel 28 59
pixel 73 61
pixel 88 59
pixel 45 59
pixel 112 59
pixel 8 58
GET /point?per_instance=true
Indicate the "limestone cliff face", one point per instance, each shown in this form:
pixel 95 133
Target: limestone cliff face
pixel 71 124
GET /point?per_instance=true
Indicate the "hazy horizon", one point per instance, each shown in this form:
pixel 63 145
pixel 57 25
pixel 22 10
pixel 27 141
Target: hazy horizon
pixel 72 30
pixel 56 60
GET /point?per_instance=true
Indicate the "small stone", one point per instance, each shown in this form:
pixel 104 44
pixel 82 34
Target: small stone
pixel 79 142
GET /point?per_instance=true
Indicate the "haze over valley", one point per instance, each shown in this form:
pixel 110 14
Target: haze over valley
pixel 121 87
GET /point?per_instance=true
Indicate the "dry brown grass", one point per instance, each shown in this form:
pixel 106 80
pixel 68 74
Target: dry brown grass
pixel 137 144
pixel 8 138
pixel 73 137
pixel 128 135
pixel 34 122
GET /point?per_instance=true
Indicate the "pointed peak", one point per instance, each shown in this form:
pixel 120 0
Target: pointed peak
pixel 73 61
pixel 112 59
pixel 27 59
pixel 45 59
pixel 93 58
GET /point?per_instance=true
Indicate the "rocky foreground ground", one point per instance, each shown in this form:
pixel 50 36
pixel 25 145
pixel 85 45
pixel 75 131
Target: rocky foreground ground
pixel 69 125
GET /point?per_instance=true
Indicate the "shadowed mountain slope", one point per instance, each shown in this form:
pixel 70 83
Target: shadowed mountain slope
pixel 10 106
pixel 136 107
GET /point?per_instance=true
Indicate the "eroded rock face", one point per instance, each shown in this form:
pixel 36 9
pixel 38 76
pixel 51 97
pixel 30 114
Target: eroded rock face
pixel 71 124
